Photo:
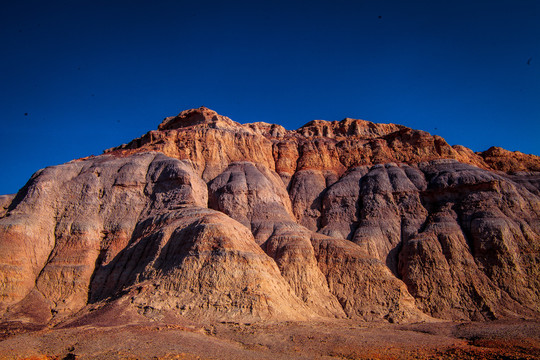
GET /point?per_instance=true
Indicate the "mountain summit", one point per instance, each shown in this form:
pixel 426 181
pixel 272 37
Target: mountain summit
pixel 206 218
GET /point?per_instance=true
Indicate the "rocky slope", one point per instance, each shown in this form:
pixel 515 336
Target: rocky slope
pixel 210 219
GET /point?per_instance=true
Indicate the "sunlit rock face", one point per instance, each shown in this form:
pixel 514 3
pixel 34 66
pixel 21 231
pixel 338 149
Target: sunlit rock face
pixel 210 219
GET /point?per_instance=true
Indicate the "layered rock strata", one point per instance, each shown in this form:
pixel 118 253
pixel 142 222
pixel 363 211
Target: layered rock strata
pixel 208 218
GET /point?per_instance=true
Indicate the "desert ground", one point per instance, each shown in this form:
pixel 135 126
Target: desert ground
pixel 343 339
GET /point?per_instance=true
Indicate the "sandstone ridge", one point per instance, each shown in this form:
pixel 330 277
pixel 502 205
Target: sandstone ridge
pixel 210 219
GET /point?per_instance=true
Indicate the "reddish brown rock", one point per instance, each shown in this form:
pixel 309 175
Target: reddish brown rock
pixel 211 219
pixel 256 197
pixel 510 161
pixel 107 225
pixel 475 257
pixel 5 202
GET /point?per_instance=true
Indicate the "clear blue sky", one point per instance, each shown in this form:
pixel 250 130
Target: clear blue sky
pixel 78 77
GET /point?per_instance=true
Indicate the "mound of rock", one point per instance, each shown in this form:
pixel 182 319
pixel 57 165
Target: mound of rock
pixel 207 218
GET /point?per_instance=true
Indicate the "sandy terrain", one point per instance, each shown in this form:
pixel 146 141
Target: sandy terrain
pixel 287 340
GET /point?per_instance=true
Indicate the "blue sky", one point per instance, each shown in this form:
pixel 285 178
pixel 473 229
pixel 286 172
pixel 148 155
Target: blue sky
pixel 81 76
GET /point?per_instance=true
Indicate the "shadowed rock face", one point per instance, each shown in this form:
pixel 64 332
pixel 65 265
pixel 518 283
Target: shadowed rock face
pixel 208 218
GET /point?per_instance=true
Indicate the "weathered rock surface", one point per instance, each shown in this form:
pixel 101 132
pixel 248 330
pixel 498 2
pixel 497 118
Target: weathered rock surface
pixel 5 201
pixel 108 225
pixel 211 219
pixel 510 161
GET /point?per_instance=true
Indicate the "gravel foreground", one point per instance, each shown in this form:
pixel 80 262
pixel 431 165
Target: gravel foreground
pixel 514 339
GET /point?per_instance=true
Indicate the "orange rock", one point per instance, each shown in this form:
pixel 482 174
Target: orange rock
pixel 211 219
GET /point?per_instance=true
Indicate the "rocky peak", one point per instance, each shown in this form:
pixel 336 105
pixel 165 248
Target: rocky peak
pixel 510 161
pixel 320 144
pixel 192 117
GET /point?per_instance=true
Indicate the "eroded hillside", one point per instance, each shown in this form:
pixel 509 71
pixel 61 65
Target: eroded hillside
pixel 206 218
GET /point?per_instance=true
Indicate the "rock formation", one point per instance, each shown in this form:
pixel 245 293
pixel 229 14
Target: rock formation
pixel 210 219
